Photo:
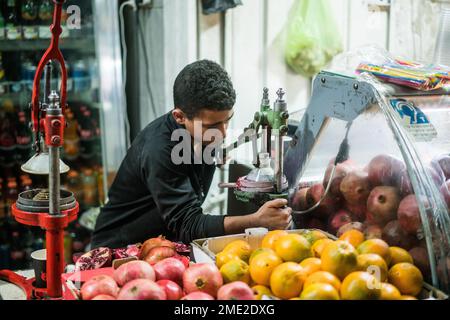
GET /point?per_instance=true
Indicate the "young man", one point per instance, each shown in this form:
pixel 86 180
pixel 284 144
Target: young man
pixel 152 195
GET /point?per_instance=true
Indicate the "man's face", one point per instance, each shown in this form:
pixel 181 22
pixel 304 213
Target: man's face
pixel 207 126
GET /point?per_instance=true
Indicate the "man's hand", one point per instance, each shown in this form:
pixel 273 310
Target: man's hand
pixel 274 215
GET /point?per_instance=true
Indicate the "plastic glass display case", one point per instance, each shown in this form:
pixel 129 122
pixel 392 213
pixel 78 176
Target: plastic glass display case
pixel 378 156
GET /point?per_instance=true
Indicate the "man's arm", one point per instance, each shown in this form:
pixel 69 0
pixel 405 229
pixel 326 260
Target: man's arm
pixel 181 211
pixel 177 202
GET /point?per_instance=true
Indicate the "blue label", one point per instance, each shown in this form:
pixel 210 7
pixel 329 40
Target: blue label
pixel 407 109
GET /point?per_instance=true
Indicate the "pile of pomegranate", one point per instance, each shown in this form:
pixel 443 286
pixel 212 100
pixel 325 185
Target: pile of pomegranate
pixel 377 199
pixel 163 274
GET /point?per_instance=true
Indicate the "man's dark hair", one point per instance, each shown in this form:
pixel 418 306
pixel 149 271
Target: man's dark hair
pixel 201 85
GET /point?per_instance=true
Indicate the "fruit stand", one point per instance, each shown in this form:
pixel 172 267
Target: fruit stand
pixel 369 187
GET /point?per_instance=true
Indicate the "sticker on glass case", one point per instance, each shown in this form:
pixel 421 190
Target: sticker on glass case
pixel 414 120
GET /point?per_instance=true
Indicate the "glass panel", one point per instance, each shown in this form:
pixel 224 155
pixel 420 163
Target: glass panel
pixel 392 186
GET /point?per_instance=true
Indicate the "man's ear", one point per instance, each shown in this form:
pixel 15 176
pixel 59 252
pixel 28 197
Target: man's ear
pixel 179 116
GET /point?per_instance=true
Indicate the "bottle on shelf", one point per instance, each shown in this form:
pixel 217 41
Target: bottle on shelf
pixel 45 19
pixel 12 193
pixel 75 185
pixel 2 74
pixel 71 137
pixel 5 252
pixel 28 70
pixel 18 256
pixel 26 183
pixel 12 23
pixel 87 126
pixel 23 138
pixel 30 19
pixel 90 194
pixel 100 184
pixel 7 139
pixel 81 76
pixel 2 25
pixel 2 201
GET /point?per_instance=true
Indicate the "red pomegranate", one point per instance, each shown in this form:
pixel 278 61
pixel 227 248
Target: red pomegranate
pixel 421 260
pixel 404 183
pixel 197 295
pixel 94 259
pixel 443 162
pixel 236 290
pixel 358 212
pixel 299 201
pixel 141 289
pixel 313 196
pixel 204 277
pixel 98 285
pixel 173 290
pixel 409 215
pixel 339 219
pixel 383 203
pixel 342 169
pixel 384 170
pixel 170 269
pixel 133 270
pixel 373 231
pixel 103 297
pixel 395 236
pixel 445 191
pixel 355 188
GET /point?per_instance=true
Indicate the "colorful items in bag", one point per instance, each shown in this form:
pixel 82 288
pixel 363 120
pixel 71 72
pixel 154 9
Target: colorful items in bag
pixel 409 74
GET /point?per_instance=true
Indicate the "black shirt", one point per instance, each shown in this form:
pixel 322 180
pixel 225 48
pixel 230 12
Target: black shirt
pixel 152 196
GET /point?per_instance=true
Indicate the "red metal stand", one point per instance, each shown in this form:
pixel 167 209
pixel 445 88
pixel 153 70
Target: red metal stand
pixel 54 233
pixel 50 123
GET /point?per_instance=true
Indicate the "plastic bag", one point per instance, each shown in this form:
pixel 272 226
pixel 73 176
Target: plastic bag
pixel 409 74
pixel 312 37
pixel 215 6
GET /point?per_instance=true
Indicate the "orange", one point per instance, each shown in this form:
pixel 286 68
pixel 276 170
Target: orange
pixel 323 277
pixel 295 299
pixel 319 245
pixel 258 251
pixel 399 255
pixel 239 248
pixel 262 266
pixel 373 264
pixel 354 237
pixel 313 235
pixel 271 237
pixel 339 258
pixel 293 248
pixel 407 298
pixel 360 286
pixel 261 291
pixel 223 257
pixel 407 278
pixel 286 280
pixel 376 246
pixel 311 265
pixel 235 270
pixel 320 291
pixel 389 292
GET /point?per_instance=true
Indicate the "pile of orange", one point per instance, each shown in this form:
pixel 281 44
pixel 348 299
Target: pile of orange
pixel 310 266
